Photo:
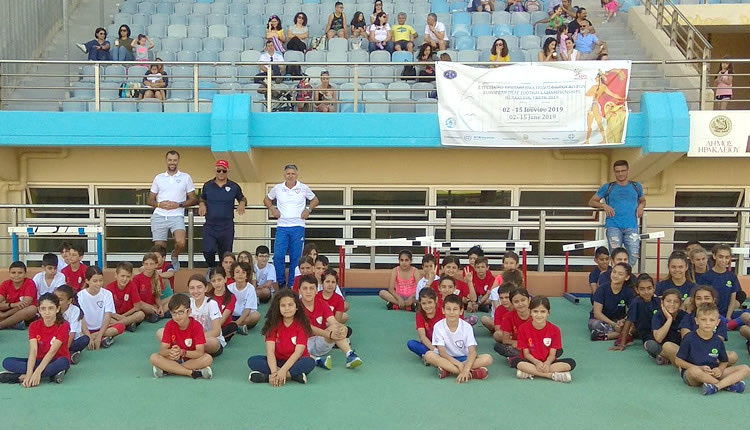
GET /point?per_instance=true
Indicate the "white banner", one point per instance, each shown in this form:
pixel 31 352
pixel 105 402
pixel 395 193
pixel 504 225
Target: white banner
pixel 719 133
pixel 560 104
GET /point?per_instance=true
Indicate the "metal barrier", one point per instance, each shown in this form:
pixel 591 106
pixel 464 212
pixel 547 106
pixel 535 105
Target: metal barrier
pixel 681 32
pixel 540 221
pixel 51 85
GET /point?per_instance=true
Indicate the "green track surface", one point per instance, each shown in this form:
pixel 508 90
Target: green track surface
pixel 115 389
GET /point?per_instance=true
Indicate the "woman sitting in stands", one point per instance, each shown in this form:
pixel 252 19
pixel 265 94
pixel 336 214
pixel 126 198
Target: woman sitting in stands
pixel 325 95
pixel 155 81
pixel 298 33
pixel 548 52
pixel 275 32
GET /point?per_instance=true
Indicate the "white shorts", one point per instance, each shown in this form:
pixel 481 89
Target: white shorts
pixel 318 347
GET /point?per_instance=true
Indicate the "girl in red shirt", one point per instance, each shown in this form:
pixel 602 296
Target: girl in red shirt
pixel 329 296
pixel 428 314
pixel 541 343
pixel 226 300
pixel 507 346
pixel 150 286
pixel 306 267
pixel 48 348
pixel 286 330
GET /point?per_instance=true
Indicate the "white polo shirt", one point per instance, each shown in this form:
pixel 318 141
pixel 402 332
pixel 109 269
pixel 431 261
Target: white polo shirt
pixel 94 307
pixel 291 203
pixel 173 188
pixel 439 28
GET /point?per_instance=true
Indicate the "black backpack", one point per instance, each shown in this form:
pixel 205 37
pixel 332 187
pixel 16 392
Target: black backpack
pixel 612 185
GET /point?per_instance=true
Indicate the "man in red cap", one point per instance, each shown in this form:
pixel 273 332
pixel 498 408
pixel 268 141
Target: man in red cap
pixel 217 205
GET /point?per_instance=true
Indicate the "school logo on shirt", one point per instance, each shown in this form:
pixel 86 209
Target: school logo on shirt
pixel 714 353
pixel 729 284
pixel 294 340
pixel 127 297
pixel 38 338
pixel 80 279
pixel 227 188
pixel 331 308
pixel 100 303
pixel 655 311
pixel 621 304
pixel 188 342
pixel 460 343
pixel 547 341
pixel 318 320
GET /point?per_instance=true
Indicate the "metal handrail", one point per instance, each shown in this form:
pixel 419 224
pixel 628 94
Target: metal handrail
pixel 681 32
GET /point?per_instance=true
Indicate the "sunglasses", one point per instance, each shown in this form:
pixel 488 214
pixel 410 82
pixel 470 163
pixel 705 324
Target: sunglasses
pixel 221 170
pixel 123 29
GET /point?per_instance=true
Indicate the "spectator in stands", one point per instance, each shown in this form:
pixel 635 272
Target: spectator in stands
pixel 570 53
pixel 551 5
pixel 481 6
pixel 445 57
pixel 377 7
pixel 575 25
pixel 590 47
pixel 554 21
pixel 98 48
pixel 428 70
pixel 562 39
pixel 325 95
pixel 548 52
pixel 271 56
pixel 123 50
pixel 435 34
pixel 154 82
pixel 358 29
pixel 623 201
pixel 403 34
pixel 298 33
pixel 171 192
pixel 568 11
pixel 275 33
pixel 141 45
pixel 611 7
pixel 723 83
pixel 515 6
pixel 499 52
pixel 381 37
pixel 336 26
pixel 295 202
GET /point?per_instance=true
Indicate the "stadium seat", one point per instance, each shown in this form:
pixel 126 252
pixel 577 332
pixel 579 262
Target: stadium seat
pixel 110 90
pixel 399 93
pixel 147 8
pixel 359 56
pixel 166 55
pixel 249 55
pixel 512 42
pixel 337 57
pixel 194 44
pixel 198 30
pixel 226 74
pixel 186 56
pixel 150 105
pixel 236 19
pixel 129 6
pixel 461 18
pixel 500 17
pixel 123 18
pixel 218 31
pixel 175 19
pixel 460 30
pixel 181 71
pixel 201 8
pixel 440 7
pixel 481 18
pixel 339 74
pixel 295 56
pixel 196 19
pixel 484 43
pixel 219 8
pixel 163 8
pixel 125 105
pixel 175 105
pixel 208 56
pixel 520 18
pixel 520 30
pixel 481 30
pixel 213 44
pixel 465 43
pixel 136 72
pixel 83 90
pixel 156 30
pixel 246 74
pixel 402 56
pixel 182 89
pixel 380 56
pixel 426 106
pixel 538 16
pixel 207 90
pixel 338 44
pixel 237 31
pixel 177 31
pixel 458 6
pixel 517 56
pixel 230 56
pixel 216 19
pixel 468 56
pixel 234 44
pixel 317 56
pixel 183 8
pixel 115 73
pixel 530 55
pixel 530 42
pixel 421 90
pixel 503 30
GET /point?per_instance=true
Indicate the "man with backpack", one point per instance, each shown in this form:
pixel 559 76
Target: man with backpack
pixel 623 202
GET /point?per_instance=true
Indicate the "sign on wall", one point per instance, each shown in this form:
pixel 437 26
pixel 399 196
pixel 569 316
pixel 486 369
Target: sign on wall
pixel 724 133
pixel 561 104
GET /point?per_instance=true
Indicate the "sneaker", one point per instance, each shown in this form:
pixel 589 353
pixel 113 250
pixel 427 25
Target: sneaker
pixel 176 262
pixel 325 363
pixel 82 47
pixel 520 374
pixel 301 378
pixel 243 330
pixel 158 373
pixel 737 387
pixel 598 335
pixel 257 377
pixel 20 326
pixel 709 389
pixel 206 372
pixel 75 357
pixel 352 360
pixel 107 342
pixel 661 361
pixel 59 377
pixel 413 307
pixel 9 378
pixel 472 319
pixel 131 327
pixel 153 318
pixel 480 373
pixel 628 341
pixel 442 373
pixel 561 377
pixel 391 307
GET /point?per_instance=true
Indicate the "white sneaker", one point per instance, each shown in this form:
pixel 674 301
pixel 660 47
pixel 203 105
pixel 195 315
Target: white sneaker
pixel 82 47
pixel 561 377
pixel 206 373
pixel 520 374
pixel 158 373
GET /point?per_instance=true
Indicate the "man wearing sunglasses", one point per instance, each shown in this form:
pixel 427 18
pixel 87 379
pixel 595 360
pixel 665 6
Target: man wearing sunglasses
pixel 217 205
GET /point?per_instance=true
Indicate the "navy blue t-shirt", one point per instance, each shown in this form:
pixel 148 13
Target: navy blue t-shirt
pixel 614 306
pixel 594 276
pixel 604 278
pixel 666 284
pixel 689 323
pixel 673 335
pixel 641 313
pixel 702 352
pixel 725 284
pixel 220 201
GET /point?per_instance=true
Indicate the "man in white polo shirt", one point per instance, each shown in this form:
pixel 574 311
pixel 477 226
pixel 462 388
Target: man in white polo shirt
pixel 294 203
pixel 171 192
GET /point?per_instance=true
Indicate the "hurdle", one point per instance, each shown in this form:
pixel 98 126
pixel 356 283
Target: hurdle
pixel 94 232
pixel 603 242
pixel 741 252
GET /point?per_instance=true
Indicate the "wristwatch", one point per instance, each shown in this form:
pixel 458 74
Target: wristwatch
pixel 308 209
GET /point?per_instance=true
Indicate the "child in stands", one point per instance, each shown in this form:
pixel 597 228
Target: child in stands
pixel 326 331
pixel 48 348
pixel 245 314
pixel 98 305
pixel 723 280
pixel 287 329
pixel 75 272
pixel 480 279
pixel 457 348
pixel 507 335
pixel 402 285
pixel 641 311
pixel 666 328
pixel 329 296
pixel 49 278
pixel 306 267
pixel 77 341
pixel 126 297
pixel 429 273
pixel 540 341
pixel 265 274
pixel 601 258
pixel 150 288
pixel 428 314
pixel 703 359
pixel 182 349
pixel 677 278
pixel 611 300
pixel 17 298
pixel 225 299
pixel 472 254
pixel 206 311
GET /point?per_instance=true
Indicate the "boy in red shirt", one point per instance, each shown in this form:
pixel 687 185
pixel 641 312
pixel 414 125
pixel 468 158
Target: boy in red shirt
pixel 75 272
pixel 127 298
pixel 480 280
pixel 182 344
pixel 493 323
pixel 450 268
pixel 17 298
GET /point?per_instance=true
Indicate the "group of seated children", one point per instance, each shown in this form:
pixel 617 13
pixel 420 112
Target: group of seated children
pixel 681 320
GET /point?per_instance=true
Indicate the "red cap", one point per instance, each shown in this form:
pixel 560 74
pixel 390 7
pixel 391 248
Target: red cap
pixel 223 163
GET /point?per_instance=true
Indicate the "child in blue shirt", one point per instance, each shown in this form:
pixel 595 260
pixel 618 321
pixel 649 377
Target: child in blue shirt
pixel 723 280
pixel 607 319
pixel 619 255
pixel 705 294
pixel 640 313
pixel 601 258
pixel 665 326
pixel 703 359
pixel 677 278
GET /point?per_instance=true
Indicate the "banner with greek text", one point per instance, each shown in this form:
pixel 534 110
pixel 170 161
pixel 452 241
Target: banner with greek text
pixel 719 133
pixel 560 104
